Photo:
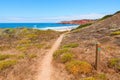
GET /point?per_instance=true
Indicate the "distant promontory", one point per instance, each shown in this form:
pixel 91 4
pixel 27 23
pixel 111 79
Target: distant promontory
pixel 83 21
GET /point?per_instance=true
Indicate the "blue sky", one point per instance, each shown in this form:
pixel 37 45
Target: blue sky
pixel 55 10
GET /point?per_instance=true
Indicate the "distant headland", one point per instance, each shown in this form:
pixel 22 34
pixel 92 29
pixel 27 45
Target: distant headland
pixel 83 21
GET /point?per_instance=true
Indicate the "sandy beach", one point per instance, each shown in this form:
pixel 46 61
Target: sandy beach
pixel 62 28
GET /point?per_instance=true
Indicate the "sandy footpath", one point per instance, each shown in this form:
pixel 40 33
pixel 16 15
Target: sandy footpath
pixel 45 67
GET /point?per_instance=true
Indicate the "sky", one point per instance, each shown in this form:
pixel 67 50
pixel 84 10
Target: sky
pixel 55 10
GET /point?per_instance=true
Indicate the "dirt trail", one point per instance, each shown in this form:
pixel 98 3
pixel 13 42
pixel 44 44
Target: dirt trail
pixel 45 69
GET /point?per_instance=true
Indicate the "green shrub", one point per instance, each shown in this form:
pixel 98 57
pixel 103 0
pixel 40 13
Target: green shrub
pixel 76 67
pixel 59 52
pixel 5 56
pixel 31 56
pixel 89 78
pixel 21 56
pixel 71 45
pixel 8 31
pixel 24 41
pixel 39 46
pixel 105 17
pixel 23 47
pixel 115 33
pixel 114 63
pixel 32 36
pixel 97 77
pixel 67 57
pixel 84 25
pixel 76 30
pixel 101 77
pixel 117 12
pixel 7 64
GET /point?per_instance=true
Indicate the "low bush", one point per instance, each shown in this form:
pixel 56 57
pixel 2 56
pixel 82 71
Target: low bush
pixel 115 33
pixel 24 41
pixel 100 77
pixel 8 31
pixel 114 63
pixel 77 67
pixel 7 64
pixel 67 57
pixel 105 17
pixel 71 45
pixel 21 56
pixel 89 78
pixel 117 12
pixel 96 77
pixel 31 56
pixel 23 48
pixel 5 56
pixel 84 25
pixel 39 46
pixel 59 52
pixel 76 30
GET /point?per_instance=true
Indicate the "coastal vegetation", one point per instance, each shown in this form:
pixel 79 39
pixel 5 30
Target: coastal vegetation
pixel 105 17
pixel 116 32
pixel 7 64
pixel 96 77
pixel 74 66
pixel 108 16
pixel 77 57
pixel 117 12
pixel 21 47
pixel 84 25
pixel 114 63
pixel 71 45
pixel 77 67
pixel 90 23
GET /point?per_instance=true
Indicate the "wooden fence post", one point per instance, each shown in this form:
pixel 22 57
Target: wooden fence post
pixel 97 56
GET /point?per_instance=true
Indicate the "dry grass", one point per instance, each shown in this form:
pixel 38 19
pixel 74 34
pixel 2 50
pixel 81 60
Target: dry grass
pixel 67 57
pixel 115 33
pixel 7 64
pixel 28 45
pixel 71 45
pixel 99 31
pixel 89 78
pixel 59 52
pixel 77 67
pixel 114 63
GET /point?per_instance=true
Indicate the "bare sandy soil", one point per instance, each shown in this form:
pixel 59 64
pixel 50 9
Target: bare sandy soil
pixel 45 67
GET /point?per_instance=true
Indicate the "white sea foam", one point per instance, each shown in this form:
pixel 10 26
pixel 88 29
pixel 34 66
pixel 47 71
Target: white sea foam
pixel 60 28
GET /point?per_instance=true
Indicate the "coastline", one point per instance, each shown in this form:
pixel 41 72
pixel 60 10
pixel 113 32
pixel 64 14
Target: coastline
pixel 40 26
pixel 62 28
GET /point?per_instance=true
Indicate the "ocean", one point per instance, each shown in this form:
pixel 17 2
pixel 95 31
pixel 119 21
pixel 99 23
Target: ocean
pixel 42 26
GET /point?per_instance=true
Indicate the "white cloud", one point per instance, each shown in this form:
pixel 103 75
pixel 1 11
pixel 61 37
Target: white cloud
pixel 52 19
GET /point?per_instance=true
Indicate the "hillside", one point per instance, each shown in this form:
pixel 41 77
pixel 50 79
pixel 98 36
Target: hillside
pixel 26 54
pixel 76 57
pixel 21 51
pixel 83 21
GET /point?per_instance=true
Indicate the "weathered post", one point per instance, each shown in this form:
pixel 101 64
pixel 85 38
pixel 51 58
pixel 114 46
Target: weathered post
pixel 97 56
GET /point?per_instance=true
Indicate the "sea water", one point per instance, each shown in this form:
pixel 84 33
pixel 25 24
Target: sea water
pixel 42 26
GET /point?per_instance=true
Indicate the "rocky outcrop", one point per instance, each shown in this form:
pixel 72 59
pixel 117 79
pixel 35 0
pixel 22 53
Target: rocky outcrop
pixel 84 21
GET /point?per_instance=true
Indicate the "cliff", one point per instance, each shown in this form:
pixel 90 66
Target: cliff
pixel 83 21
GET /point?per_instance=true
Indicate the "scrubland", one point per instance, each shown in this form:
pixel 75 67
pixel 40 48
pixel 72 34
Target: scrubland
pixel 75 59
pixel 20 50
